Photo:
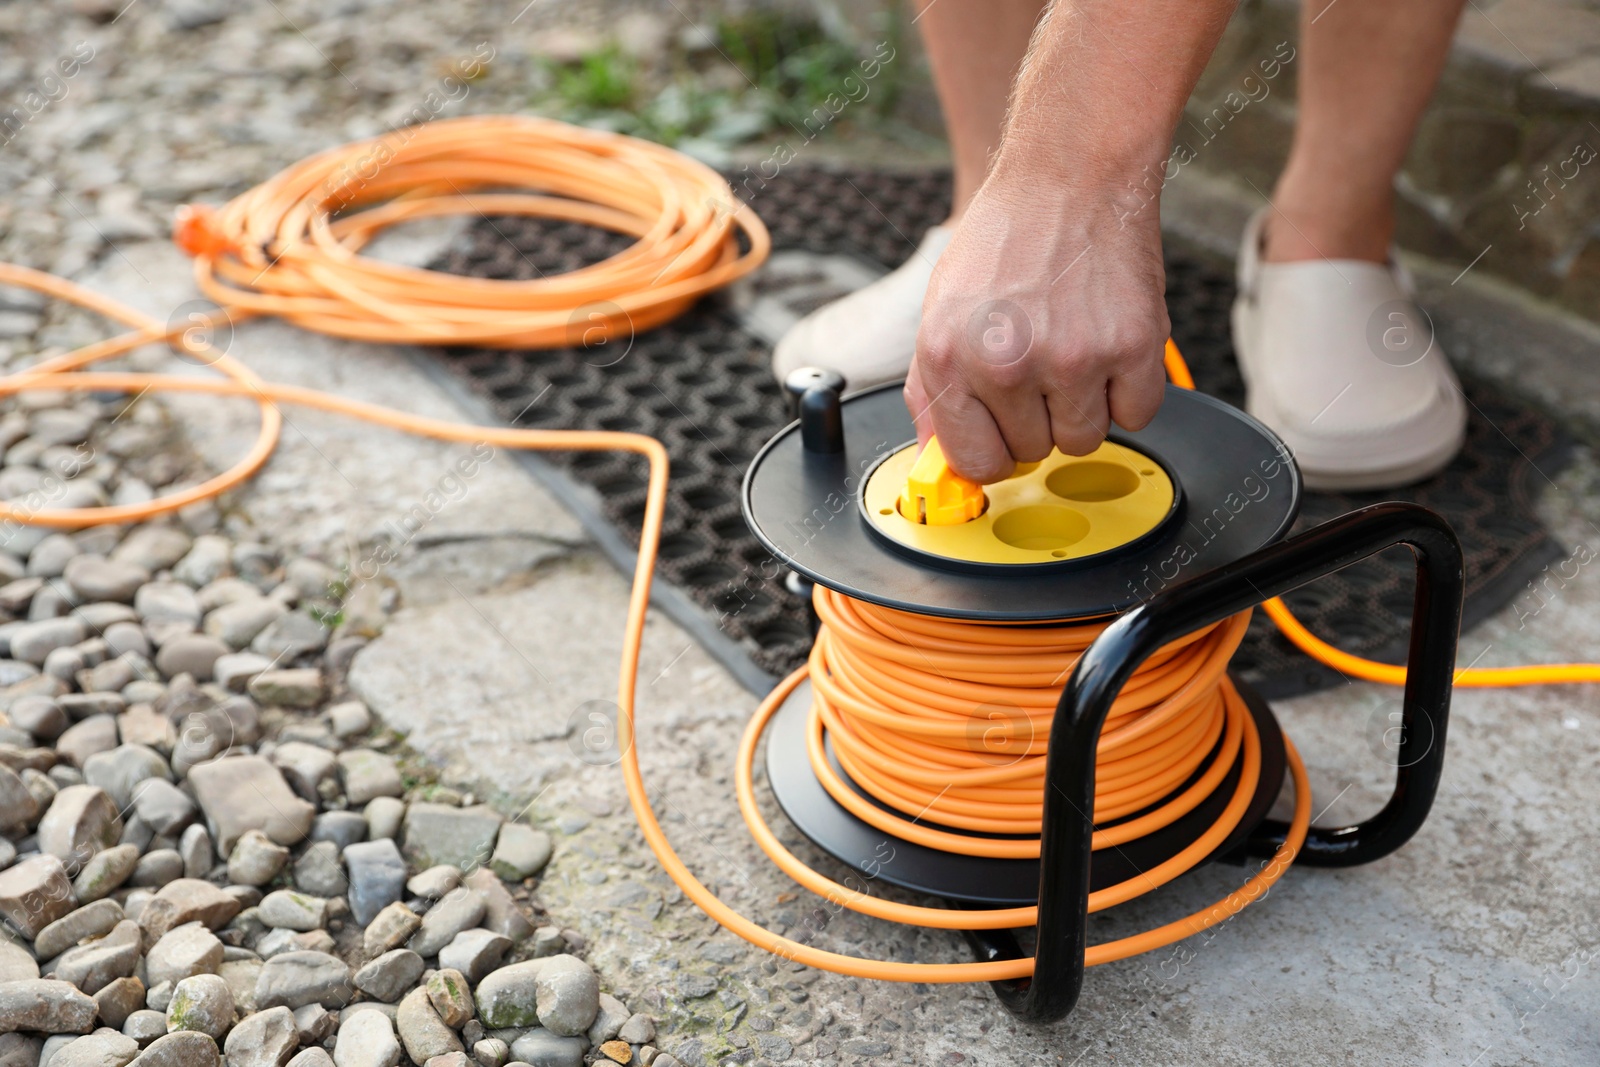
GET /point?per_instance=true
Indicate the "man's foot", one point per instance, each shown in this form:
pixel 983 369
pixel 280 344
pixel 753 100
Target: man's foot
pixel 1342 364
pixel 870 335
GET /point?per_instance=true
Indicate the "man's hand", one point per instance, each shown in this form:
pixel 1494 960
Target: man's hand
pixel 1045 320
pixel 1043 325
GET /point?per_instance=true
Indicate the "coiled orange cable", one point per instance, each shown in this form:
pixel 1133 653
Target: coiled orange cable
pixel 290 246
pixel 279 250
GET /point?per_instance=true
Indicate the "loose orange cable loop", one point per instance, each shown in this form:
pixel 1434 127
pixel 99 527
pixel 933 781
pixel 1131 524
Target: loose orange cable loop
pixel 1389 673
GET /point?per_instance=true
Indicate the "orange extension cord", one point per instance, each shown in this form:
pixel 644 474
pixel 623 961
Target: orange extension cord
pixel 275 251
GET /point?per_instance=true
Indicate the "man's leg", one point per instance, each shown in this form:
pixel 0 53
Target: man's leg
pixel 1367 70
pixel 974 49
pixel 1338 359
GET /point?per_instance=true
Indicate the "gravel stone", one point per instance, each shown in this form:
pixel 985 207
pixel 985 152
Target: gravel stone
pixel 312 578
pixel 638 1030
pixel 390 928
pixel 41 716
pixel 158 868
pixel 312 1057
pixel 91 920
pixel 155 548
pixel 46 1006
pixel 80 706
pixel 266 1039
pixel 234 671
pixel 383 817
pixel 449 1059
pixel 182 1048
pixel 119 999
pixel 33 641
pixel 608 1022
pixel 201 1002
pixel 343 828
pixel 290 637
pixel 460 909
pixel 377 876
pixel 520 852
pixel 294 911
pixel 187 900
pixel 120 771
pixel 239 793
pixel 568 995
pixel 541 1048
pixel 105 871
pixel 95 578
pixel 451 996
pixel 146 1025
pixel 16 963
pixel 319 872
pixel 290 687
pixel 349 719
pixel 238 623
pixel 501 913
pixel 185 950
pixel 98 733
pixel 198 854
pixel 96 964
pixel 51 556
pixel 293 979
pixel 61 426
pixel 163 806
pixel 207 560
pixel 225 591
pixel 18 806
pixel 305 767
pixel 256 859
pixel 82 820
pixel 194 654
pixel 390 975
pixel 124 637
pixel 508 997
pixel 367 775
pixel 102 1048
pixel 281 939
pixel 166 604
pixel 314 1023
pixel 491 1052
pixel 422 1032
pixel 440 833
pixel 434 882
pixel 366 1039
pixel 241 976
pixel 35 893
pixel 475 953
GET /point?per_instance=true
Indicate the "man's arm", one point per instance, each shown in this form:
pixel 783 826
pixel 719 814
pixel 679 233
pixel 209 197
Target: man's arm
pixel 1045 319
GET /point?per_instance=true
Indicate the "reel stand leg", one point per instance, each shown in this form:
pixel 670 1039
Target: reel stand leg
pixel 1106 666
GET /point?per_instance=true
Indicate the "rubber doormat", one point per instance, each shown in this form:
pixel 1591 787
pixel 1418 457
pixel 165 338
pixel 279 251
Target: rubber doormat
pixel 702 386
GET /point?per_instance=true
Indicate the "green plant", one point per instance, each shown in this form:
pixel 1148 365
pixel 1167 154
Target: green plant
pixel 600 81
pixel 788 69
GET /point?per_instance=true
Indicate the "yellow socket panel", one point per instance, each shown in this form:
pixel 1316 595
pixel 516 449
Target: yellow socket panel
pixel 1064 507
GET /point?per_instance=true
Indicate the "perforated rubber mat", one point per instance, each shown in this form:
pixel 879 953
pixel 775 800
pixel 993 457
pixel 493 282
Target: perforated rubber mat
pixel 702 386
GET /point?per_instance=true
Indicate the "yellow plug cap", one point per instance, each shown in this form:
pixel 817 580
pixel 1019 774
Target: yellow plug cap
pixel 935 495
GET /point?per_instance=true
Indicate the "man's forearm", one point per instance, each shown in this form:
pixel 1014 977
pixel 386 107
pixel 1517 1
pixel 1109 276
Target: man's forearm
pixel 1102 90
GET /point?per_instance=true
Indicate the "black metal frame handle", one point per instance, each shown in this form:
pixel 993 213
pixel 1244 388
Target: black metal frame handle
pixel 1106 666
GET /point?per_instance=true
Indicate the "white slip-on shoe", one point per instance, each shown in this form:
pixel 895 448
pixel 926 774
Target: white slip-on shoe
pixel 870 335
pixel 1338 359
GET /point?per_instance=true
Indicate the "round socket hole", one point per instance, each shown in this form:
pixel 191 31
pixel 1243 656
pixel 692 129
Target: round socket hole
pixel 1092 480
pixel 1041 528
